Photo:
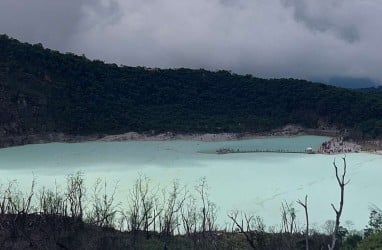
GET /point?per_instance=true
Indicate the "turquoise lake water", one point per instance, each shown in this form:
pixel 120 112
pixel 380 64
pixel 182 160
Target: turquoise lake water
pixel 252 182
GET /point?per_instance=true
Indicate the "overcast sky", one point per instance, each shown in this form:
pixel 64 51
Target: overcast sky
pixel 267 38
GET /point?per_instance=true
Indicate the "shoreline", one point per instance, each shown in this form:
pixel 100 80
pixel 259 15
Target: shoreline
pixel 287 131
pixel 333 146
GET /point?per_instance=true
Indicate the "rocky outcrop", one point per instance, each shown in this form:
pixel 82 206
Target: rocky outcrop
pixel 338 145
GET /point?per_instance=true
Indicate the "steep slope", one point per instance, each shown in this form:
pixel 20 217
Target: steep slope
pixel 44 91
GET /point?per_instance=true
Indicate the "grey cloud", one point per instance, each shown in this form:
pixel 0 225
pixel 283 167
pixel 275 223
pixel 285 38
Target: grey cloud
pixel 327 16
pixel 272 38
pixel 99 13
pixel 51 22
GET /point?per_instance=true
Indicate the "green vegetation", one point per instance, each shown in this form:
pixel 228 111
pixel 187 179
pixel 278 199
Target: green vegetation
pixel 373 241
pixel 43 91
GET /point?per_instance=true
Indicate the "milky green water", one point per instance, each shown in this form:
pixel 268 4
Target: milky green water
pixel 253 182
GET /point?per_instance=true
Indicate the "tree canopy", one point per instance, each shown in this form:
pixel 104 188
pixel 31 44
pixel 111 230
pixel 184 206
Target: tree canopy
pixel 43 90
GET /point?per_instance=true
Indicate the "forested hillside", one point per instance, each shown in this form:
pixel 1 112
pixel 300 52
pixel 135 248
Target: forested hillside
pixel 43 91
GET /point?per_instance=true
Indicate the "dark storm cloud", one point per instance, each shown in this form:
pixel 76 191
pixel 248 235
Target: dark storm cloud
pixel 269 38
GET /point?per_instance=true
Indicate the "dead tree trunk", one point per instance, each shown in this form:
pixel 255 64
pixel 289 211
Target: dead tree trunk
pixel 247 233
pixel 305 206
pixel 341 183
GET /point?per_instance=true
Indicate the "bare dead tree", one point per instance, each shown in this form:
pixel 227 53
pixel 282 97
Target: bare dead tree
pixel 288 216
pixel 15 201
pixel 189 216
pixel 341 183
pixel 201 190
pixel 52 202
pixel 143 209
pixel 157 211
pixel 134 207
pixel 328 227
pixel 133 217
pixel 172 205
pixel 75 191
pixel 288 224
pixel 147 199
pixel 208 209
pixel 305 206
pixel 19 206
pixel 211 216
pixel 170 218
pixel 252 227
pixel 26 203
pixel 104 209
pixel 6 205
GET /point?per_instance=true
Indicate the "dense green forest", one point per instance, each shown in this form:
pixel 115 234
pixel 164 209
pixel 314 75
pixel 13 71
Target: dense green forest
pixel 43 91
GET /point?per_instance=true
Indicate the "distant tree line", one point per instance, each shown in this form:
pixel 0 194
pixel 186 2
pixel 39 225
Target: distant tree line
pixel 42 90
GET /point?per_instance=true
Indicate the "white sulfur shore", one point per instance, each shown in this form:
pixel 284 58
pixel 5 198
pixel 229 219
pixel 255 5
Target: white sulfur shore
pixel 289 130
pixel 134 136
